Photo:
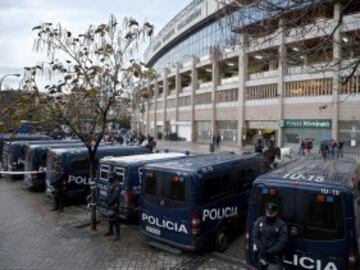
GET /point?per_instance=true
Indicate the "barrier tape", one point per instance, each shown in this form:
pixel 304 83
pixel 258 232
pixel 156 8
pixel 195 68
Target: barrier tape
pixel 20 173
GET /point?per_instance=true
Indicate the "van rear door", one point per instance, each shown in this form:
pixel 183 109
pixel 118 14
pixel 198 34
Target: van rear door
pixel 166 207
pixel 318 234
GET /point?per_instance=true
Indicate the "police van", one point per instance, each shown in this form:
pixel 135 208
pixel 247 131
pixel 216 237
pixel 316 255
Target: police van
pixel 320 202
pixel 13 154
pixel 198 202
pixel 72 167
pixel 10 137
pixel 128 171
pixel 35 161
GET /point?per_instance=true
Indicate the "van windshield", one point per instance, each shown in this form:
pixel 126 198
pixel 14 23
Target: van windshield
pixel 318 216
pixel 166 186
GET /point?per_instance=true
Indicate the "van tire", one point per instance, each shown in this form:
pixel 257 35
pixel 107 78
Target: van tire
pixel 221 240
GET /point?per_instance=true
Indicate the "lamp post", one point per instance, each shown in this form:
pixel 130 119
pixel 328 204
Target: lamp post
pixel 8 75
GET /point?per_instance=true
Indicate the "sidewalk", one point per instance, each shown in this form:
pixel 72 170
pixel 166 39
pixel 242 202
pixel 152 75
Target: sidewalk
pixel 204 148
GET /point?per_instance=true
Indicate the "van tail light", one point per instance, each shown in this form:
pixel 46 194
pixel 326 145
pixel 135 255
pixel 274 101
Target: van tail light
pixel 247 238
pixel 196 223
pixel 352 259
pixel 128 199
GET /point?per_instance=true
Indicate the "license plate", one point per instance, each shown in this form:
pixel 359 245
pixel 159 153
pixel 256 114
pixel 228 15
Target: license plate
pixel 152 230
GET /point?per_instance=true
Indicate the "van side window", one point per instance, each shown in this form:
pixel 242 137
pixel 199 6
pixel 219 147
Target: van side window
pixel 119 175
pixel 150 184
pixel 104 172
pixel 218 186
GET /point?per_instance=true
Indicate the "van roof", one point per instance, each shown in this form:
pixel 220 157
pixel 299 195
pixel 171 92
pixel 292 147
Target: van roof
pixel 333 172
pixel 83 149
pixel 141 158
pixel 202 164
pixel 56 144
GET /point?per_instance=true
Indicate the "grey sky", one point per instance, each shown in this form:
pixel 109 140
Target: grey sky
pixel 18 17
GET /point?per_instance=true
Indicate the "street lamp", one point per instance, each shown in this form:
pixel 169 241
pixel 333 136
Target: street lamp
pixel 8 75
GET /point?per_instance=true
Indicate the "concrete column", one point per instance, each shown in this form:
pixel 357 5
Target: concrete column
pixel 194 86
pixel 215 83
pixel 156 93
pixel 165 94
pixel 177 91
pixel 281 84
pixel 243 70
pixel 337 76
pixel 147 106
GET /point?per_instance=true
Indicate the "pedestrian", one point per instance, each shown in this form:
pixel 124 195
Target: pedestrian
pixel 218 140
pixel 270 238
pixel 151 144
pixel 301 149
pixel 310 146
pixel 59 194
pixel 113 201
pixel 324 150
pixel 340 152
pixel 333 146
pixel 259 147
pixel 306 147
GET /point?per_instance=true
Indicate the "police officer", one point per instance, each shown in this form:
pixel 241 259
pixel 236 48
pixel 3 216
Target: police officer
pixel 113 199
pixel 59 195
pixel 270 237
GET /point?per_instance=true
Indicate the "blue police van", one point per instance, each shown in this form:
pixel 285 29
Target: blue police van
pixel 13 153
pixel 72 167
pixel 319 200
pixel 198 202
pixel 128 171
pixel 35 161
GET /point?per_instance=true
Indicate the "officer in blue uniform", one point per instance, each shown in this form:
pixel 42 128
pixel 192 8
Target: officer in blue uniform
pixel 113 199
pixel 270 238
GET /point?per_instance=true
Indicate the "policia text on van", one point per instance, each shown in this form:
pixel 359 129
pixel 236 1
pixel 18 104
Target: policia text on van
pixel 319 200
pixel 198 202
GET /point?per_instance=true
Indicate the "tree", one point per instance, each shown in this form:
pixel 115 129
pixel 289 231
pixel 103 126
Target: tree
pixel 263 21
pixel 93 69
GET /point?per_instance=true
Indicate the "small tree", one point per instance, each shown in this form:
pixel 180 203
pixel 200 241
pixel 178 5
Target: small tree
pixel 93 69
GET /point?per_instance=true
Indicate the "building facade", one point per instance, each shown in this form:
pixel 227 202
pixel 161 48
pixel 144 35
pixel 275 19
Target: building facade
pixel 220 82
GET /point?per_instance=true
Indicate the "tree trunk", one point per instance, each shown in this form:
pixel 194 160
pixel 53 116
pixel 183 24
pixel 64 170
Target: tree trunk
pixel 92 190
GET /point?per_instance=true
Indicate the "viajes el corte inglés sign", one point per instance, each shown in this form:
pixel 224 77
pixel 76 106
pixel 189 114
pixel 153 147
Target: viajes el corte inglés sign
pixel 306 123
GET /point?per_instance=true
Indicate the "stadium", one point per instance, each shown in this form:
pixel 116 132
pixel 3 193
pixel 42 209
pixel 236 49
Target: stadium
pixel 224 76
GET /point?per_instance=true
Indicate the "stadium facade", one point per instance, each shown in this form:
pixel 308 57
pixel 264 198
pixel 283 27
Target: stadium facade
pixel 219 81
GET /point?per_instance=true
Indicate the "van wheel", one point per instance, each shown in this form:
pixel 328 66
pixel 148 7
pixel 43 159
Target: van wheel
pixel 221 240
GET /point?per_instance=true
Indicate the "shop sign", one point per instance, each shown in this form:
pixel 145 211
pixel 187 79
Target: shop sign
pixel 306 123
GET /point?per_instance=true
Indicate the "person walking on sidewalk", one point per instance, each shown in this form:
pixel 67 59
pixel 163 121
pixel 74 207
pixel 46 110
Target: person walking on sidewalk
pixel 113 201
pixel 340 151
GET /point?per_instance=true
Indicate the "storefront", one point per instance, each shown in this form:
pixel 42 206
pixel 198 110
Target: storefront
pixel 266 130
pixel 203 131
pixel 184 130
pixel 315 130
pixel 228 131
pixel 349 133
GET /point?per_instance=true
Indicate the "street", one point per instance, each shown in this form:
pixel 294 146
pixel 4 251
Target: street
pixel 33 237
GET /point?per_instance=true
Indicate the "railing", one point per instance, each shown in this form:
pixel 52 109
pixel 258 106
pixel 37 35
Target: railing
pixel 230 80
pixel 263 75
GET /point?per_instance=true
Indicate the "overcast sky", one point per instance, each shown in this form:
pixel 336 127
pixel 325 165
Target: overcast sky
pixel 17 17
